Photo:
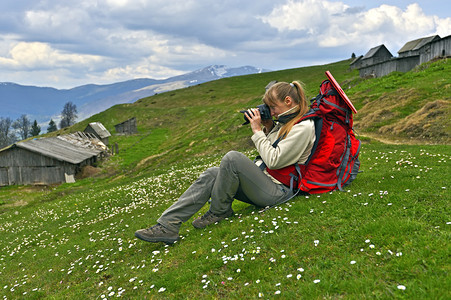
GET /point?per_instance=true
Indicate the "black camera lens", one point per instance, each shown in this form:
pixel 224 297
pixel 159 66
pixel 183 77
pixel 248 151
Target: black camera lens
pixel 265 113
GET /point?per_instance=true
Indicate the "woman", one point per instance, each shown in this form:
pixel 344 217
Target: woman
pixel 238 177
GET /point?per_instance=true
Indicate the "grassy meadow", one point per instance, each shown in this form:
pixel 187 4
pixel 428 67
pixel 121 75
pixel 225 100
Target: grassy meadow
pixel 386 237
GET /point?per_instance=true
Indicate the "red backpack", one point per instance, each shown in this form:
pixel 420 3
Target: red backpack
pixel 334 160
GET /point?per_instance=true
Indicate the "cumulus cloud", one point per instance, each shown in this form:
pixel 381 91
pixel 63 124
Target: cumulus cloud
pixel 85 41
pixel 335 24
pixel 41 55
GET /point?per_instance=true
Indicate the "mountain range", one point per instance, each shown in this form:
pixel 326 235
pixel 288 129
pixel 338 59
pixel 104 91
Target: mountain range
pixel 45 103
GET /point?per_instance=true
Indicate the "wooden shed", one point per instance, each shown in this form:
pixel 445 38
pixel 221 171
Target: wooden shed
pixel 376 55
pixel 379 61
pixel 412 48
pixel 48 160
pixel 99 131
pixel 127 127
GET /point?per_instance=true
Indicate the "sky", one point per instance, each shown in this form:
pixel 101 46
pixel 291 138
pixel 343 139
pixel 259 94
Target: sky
pixel 66 43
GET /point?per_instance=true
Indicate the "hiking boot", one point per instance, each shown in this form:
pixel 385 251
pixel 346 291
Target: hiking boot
pixel 210 218
pixel 157 233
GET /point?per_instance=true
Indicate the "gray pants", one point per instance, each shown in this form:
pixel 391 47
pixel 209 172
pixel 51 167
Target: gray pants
pixel 237 177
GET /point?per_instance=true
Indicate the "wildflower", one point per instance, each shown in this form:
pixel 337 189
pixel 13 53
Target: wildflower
pixel 353 262
pixel 401 287
pixel 161 290
pixel 298 276
pixel 316 281
pixel 277 293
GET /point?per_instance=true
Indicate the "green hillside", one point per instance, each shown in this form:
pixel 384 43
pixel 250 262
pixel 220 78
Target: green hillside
pixel 386 237
pixel 401 107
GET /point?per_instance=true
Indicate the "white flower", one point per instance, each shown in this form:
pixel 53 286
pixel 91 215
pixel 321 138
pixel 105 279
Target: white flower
pixel 316 281
pixel 299 276
pixel 161 290
pixel 401 287
pixel 353 262
pixel 277 293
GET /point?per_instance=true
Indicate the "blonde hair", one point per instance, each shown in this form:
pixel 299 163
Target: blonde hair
pixel 278 92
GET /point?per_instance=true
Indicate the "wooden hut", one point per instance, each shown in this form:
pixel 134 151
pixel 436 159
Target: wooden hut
pixel 379 61
pixel 127 127
pixel 48 160
pixel 99 131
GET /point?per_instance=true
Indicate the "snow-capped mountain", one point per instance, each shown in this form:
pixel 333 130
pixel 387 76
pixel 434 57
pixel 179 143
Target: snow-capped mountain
pixel 45 103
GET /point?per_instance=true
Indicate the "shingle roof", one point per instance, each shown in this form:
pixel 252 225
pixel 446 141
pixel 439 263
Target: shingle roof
pixel 59 149
pixel 374 50
pixel 417 44
pixel 100 129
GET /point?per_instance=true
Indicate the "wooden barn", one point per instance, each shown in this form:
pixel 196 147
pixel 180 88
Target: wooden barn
pixel 127 127
pixel 49 160
pixel 379 61
pixel 99 131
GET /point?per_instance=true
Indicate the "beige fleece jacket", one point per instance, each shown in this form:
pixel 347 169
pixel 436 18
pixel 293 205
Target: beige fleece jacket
pixel 295 147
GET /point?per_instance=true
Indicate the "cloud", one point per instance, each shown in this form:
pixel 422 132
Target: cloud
pixel 334 24
pixel 77 42
pixel 40 55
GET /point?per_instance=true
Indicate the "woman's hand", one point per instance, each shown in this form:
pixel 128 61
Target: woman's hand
pixel 268 124
pixel 255 119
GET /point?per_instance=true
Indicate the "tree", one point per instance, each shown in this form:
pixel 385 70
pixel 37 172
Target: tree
pixel 35 129
pixel 6 137
pixel 22 125
pixel 68 115
pixel 52 126
pixel 353 55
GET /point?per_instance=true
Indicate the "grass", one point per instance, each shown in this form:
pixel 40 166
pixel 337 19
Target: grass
pixel 390 230
pixel 386 237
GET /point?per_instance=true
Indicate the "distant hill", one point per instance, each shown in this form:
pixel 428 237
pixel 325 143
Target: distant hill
pixel 44 103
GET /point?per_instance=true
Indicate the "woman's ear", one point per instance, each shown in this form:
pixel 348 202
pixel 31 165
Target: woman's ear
pixel 288 101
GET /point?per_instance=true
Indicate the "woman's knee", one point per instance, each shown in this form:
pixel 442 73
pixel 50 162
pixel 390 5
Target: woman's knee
pixel 211 172
pixel 232 156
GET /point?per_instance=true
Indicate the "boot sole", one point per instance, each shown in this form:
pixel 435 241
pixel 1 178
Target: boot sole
pixel 157 239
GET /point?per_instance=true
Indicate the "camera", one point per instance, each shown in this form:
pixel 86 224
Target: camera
pixel 265 113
